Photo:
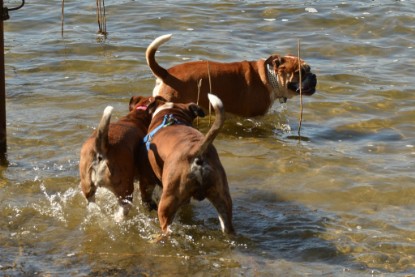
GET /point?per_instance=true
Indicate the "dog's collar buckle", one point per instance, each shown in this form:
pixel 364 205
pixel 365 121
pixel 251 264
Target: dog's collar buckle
pixel 170 120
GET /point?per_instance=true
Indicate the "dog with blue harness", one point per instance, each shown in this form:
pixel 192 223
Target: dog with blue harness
pixel 185 161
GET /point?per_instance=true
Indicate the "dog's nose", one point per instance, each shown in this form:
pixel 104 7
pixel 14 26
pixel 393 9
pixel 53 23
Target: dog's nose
pixel 308 85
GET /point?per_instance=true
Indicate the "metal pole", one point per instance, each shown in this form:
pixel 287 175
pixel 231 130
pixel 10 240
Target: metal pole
pixel 3 140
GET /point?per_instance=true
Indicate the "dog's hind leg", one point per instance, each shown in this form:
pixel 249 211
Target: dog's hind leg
pixel 224 210
pixel 221 199
pixel 168 206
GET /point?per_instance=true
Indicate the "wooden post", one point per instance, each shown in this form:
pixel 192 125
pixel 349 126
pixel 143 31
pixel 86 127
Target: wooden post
pixel 3 140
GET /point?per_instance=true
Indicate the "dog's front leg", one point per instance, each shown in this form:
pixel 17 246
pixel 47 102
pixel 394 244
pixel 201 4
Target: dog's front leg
pixel 125 205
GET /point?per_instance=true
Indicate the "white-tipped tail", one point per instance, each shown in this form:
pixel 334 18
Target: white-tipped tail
pixel 157 70
pixel 108 111
pixel 217 124
pixel 160 40
pixel 101 140
pixel 215 101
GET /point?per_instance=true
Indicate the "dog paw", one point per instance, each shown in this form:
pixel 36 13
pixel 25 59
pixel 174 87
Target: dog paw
pixel 156 238
pixel 119 215
pixel 159 238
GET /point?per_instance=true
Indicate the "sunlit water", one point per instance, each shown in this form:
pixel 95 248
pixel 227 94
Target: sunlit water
pixel 338 202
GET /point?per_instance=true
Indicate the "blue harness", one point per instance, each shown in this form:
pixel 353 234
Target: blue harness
pixel 167 121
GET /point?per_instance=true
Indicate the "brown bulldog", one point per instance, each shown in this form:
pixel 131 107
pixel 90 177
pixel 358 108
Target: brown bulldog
pixel 110 157
pixel 246 88
pixel 185 161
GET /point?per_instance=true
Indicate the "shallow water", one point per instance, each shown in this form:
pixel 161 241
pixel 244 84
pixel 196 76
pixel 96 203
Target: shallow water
pixel 338 202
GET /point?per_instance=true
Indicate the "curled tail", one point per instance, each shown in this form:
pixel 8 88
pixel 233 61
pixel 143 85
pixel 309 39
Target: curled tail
pixel 101 141
pixel 157 70
pixel 217 124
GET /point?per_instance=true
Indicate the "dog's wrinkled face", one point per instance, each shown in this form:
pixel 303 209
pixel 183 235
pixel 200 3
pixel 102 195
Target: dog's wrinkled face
pixel 288 71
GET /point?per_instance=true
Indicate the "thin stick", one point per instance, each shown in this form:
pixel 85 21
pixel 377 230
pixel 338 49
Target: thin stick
pixel 199 85
pixel 210 91
pixel 98 15
pixel 62 16
pixel 101 18
pixel 301 92
pixel 104 19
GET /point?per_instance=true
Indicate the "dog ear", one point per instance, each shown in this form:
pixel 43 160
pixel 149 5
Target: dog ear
pixel 196 110
pixel 133 101
pixel 155 102
pixel 277 61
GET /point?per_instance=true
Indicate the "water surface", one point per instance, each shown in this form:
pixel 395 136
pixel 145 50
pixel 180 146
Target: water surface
pixel 339 202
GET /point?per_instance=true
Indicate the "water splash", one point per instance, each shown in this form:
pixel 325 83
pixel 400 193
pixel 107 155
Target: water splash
pixel 56 203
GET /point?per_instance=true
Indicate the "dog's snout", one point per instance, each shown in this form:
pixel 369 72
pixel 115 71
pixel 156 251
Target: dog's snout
pixel 310 80
pixel 309 84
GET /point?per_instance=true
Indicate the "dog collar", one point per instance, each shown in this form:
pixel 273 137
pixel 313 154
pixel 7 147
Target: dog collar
pixel 273 79
pixel 168 120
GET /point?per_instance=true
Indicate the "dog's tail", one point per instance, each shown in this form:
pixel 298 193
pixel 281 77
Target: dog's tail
pixel 101 141
pixel 217 124
pixel 157 70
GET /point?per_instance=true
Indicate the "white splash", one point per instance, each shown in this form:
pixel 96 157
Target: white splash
pixel 311 10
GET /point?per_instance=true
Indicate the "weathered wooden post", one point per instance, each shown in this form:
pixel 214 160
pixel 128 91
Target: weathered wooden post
pixel 4 15
pixel 3 140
